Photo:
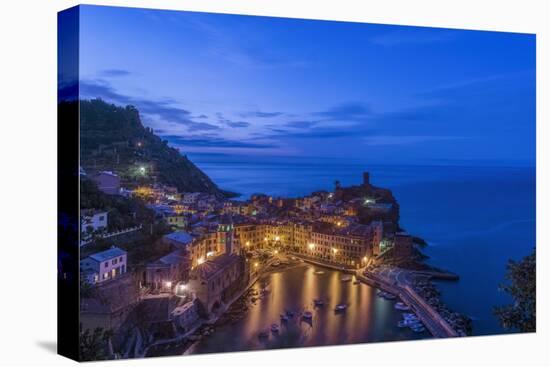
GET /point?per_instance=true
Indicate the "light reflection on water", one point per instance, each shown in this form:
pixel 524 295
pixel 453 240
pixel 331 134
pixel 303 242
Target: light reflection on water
pixel 367 319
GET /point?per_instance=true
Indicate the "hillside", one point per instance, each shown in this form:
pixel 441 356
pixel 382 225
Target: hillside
pixel 113 138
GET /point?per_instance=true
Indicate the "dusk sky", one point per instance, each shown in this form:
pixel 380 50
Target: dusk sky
pixel 260 86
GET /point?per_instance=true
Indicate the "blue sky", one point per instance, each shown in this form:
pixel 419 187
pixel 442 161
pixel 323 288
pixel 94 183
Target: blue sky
pixel 261 86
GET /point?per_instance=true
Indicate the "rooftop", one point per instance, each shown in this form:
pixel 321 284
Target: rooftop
pixel 210 268
pixel 108 254
pixel 180 236
pixel 174 257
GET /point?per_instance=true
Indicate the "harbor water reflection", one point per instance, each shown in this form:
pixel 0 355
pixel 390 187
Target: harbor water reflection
pixel 368 318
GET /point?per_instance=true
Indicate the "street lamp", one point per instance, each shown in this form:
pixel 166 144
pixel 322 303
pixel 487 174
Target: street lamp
pixel 142 170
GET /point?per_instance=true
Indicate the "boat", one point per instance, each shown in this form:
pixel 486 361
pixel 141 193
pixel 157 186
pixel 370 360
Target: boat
pixel 276 263
pixel 318 302
pixel 346 278
pixel 289 313
pixel 341 307
pixel 390 296
pixel 401 306
pixel 284 318
pixel 319 272
pixel 274 328
pixel 307 315
pixel 402 324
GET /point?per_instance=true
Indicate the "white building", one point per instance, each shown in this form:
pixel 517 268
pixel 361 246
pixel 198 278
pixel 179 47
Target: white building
pixel 190 198
pixel 92 221
pixel 104 265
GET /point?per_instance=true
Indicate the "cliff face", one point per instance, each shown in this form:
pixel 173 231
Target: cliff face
pixel 381 195
pixel 113 138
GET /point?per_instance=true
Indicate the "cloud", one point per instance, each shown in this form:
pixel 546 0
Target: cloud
pixel 261 114
pixel 379 140
pixel 350 111
pixel 163 109
pixel 231 123
pixel 238 124
pixel 316 133
pixel 239 45
pixel 216 142
pixel 301 124
pixel 414 36
pixel 114 72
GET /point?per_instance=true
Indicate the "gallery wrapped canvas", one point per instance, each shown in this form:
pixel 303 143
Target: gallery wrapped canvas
pixel 236 183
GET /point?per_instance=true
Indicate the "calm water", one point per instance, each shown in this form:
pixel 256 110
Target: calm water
pixel 368 318
pixel 474 218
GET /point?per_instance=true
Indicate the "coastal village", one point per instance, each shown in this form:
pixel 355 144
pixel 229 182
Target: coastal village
pixel 215 248
pixel 166 256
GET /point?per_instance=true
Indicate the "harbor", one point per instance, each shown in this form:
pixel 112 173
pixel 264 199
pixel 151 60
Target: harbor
pixel 308 297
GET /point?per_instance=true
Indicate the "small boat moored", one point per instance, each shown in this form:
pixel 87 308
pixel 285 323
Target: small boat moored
pixel 318 302
pixel 274 328
pixel 346 278
pixel 401 306
pixel 284 318
pixel 307 315
pixel 341 307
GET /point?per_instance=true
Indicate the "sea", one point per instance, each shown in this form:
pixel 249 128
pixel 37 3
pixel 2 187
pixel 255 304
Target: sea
pixel 475 218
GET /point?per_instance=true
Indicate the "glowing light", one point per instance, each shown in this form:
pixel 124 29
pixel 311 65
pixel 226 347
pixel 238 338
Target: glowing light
pixel 256 265
pixel 365 259
pixel 210 253
pixel 339 224
pixel 168 284
pixel 247 243
pixel 276 252
pixel 142 170
pixel 183 287
pixel 311 246
pixel 265 239
pixel 277 238
pixel 335 251
pixel 200 260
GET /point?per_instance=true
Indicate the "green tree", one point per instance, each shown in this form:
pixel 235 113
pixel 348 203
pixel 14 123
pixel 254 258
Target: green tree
pixel 93 344
pixel 522 287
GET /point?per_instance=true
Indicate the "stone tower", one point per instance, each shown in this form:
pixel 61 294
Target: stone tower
pixel 366 179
